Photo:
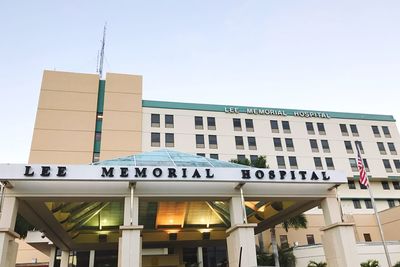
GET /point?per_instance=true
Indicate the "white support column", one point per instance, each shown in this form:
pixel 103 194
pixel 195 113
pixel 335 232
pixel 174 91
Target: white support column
pixel 92 254
pixel 240 236
pixel 52 256
pixel 338 237
pixel 8 246
pixel 200 256
pixel 64 258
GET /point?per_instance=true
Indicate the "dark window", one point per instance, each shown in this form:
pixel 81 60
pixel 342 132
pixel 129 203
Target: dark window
pixel 281 162
pixel 376 132
pixel 367 237
pixel 349 147
pixel 211 123
pixel 241 158
pixel 362 186
pixel 354 129
pixel 386 164
pixel 96 156
pixel 357 204
pixel 249 125
pixel 198 122
pixel 310 239
pixel 274 126
pixel 214 156
pixel 97 136
pixel 381 148
pixel 201 154
pixel 314 145
pixel 293 162
pixel 385 185
pixel 343 129
pixel 329 163
pixel 397 164
pixel 252 142
pixel 199 141
pixel 169 121
pixel 360 146
pixel 325 146
pixel 353 164
pixel 212 141
pixel 253 158
pixel 351 184
pixel 289 144
pixel 396 185
pixel 285 126
pixel 392 148
pixel 277 144
pixel 386 131
pixel 310 128
pixel 239 142
pixel 368 204
pixel 284 241
pixel 237 125
pixel 155 139
pixel 155 120
pixel 318 163
pixel 391 203
pixel 169 140
pixel 366 166
pixel 321 128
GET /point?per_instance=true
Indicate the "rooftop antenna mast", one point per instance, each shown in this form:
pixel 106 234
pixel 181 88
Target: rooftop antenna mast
pixel 101 59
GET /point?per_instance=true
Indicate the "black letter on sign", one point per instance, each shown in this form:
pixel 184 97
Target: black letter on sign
pixel 140 173
pixel 124 172
pixel 259 174
pixel 314 176
pixel 45 171
pixel 27 171
pixel 245 174
pixel 293 175
pixel 196 174
pixel 157 172
pixel 172 173
pixel 283 174
pixel 271 175
pixel 108 173
pixel 184 172
pixel 303 175
pixel 324 177
pixel 209 175
pixel 62 171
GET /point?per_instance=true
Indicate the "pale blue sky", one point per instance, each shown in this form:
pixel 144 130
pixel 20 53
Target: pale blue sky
pixel 323 55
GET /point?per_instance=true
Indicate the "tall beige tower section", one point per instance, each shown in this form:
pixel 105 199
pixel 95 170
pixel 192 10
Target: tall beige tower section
pixel 66 118
pixel 122 116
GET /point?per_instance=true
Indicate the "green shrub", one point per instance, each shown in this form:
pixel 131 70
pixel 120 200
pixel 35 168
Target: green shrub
pixel 370 263
pixel 397 264
pixel 317 264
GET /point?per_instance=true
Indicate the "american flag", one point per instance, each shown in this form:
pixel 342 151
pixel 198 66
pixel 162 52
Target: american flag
pixel 361 168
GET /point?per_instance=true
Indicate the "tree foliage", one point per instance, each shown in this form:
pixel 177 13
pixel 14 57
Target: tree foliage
pixel 22 226
pixel 370 263
pixel 296 222
pixel 286 258
pixel 317 264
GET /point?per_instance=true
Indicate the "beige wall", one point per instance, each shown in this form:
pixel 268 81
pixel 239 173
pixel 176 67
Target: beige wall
pixel 28 254
pixel 66 117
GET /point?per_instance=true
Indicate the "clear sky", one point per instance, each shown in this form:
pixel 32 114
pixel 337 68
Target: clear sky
pixel 341 55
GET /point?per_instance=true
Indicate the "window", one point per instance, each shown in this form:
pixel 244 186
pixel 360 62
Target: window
pixel 293 162
pixel 155 120
pixel 386 164
pixel 274 126
pixel 214 156
pixel 391 203
pixel 318 163
pixel 351 184
pixel 169 140
pixel 325 146
pixel 354 129
pixel 281 162
pixel 329 163
pixel 310 239
pixel 239 142
pixel 396 185
pixel 199 141
pixel 97 136
pixel 198 122
pixel 96 156
pixel 249 125
pixel 310 128
pixel 211 123
pixel 343 129
pixel 353 164
pixel 392 148
pixel 212 141
pixel 155 139
pixel 285 126
pixel 366 166
pixel 201 154
pixel 277 144
pixel 360 146
pixel 252 142
pixel 375 130
pixel 314 145
pixel 362 186
pixel 284 241
pixel 367 237
pixel 253 158
pixel 381 148
pixel 241 158
pixel 349 147
pixel 368 204
pixel 321 128
pixel 386 131
pixel 385 185
pixel 169 121
pixel 289 144
pixel 237 126
pixel 356 204
pixel 397 164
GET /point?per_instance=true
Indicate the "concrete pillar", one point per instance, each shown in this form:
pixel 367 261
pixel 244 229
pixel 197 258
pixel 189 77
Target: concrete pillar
pixel 8 246
pixel 52 257
pixel 338 237
pixel 240 237
pixel 91 258
pixel 64 258
pixel 131 244
pixel 200 257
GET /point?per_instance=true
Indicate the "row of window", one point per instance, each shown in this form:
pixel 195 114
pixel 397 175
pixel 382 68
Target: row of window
pixel 212 156
pixel 168 119
pixel 368 203
pixel 385 185
pixel 285 244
